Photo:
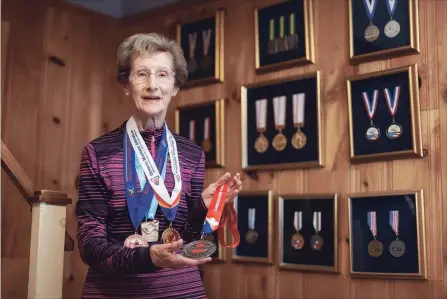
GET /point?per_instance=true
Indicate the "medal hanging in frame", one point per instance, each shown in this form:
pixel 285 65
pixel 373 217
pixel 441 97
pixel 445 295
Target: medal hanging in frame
pixel 206 143
pixel 252 235
pixel 299 139
pixel 192 130
pixel 261 143
pixel 272 43
pixel 372 32
pixel 317 242
pixel 394 130
pixel 397 247
pixel 375 247
pixel 192 63
pixel 206 37
pixel 297 240
pixel 373 132
pixel 292 38
pixel 279 107
pixel 392 28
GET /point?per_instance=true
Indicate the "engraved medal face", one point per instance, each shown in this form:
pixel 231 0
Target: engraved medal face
pixel 297 241
pixel 392 29
pixel 149 230
pixel 397 248
pixel 135 241
pixel 372 134
pixel 170 235
pixel 261 144
pixel 316 242
pixel 199 249
pixel 299 140
pixel 279 142
pixel 375 248
pixel 251 236
pixel 372 33
pixel 394 131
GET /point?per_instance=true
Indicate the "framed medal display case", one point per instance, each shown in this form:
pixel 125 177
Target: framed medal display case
pixel 284 35
pixel 281 124
pixel 387 235
pixel 384 115
pixel 255 225
pixel 204 124
pixel 203 44
pixel 383 29
pixel 308 232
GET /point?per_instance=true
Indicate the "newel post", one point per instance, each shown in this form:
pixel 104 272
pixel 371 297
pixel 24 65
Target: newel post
pixel 46 264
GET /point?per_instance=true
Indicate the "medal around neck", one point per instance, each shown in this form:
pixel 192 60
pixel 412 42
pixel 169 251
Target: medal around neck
pixel 394 130
pixel 375 247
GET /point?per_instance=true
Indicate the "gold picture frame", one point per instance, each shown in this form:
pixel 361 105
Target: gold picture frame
pixel 268 259
pixel 217 74
pixel 413 47
pixel 312 155
pixel 215 157
pixel 308 48
pixel 311 204
pixel 386 198
pixel 409 146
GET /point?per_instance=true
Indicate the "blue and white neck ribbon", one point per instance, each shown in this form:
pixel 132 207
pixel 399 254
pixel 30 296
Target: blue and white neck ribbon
pixel 394 222
pixel 372 223
pixel 370 106
pixel 392 100
pixel 391 5
pixel 370 6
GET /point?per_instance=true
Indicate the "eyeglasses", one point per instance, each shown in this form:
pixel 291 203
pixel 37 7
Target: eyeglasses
pixel 161 75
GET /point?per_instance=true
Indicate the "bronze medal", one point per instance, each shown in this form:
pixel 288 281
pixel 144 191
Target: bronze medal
pixel 375 248
pixel 135 240
pixel 297 241
pixel 170 235
pixel 397 248
pixel 279 142
pixel 206 145
pixel 261 144
pixel 372 33
pixel 316 242
pixel 199 249
pixel 299 140
pixel 251 236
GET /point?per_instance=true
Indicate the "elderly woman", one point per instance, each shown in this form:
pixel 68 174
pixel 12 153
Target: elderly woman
pixel 141 187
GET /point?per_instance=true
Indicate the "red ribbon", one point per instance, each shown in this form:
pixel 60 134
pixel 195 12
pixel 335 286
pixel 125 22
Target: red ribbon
pixel 229 216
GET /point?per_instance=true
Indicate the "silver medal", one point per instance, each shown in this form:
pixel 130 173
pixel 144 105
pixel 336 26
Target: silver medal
pixel 150 230
pixel 392 29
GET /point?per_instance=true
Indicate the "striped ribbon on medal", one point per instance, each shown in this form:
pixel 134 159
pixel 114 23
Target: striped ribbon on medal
pixel 370 6
pixel 317 221
pixel 391 6
pixel 372 223
pixel 394 221
pixel 298 220
pixel 392 100
pixel 370 106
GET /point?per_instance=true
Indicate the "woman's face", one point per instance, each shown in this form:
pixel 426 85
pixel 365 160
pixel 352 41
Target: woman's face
pixel 151 83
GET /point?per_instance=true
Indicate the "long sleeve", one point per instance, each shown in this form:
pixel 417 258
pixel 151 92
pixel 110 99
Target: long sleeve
pixel 196 206
pixel 96 248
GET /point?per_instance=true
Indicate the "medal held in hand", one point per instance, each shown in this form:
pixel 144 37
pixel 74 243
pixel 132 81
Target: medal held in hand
pixel 375 247
pixel 279 107
pixel 397 247
pixel 206 143
pixel 372 32
pixel 372 133
pixel 251 236
pixel 299 139
pixel 316 242
pixel 261 143
pixel 297 238
pixel 192 63
pixel 392 28
pixel 394 130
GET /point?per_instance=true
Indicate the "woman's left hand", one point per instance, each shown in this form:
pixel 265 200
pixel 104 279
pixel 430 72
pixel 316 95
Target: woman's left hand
pixel 235 185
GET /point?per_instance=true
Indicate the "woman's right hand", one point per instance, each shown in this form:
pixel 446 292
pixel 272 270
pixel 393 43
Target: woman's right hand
pixel 164 256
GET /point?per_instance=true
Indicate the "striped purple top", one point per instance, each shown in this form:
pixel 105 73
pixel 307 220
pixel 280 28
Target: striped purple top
pixel 104 223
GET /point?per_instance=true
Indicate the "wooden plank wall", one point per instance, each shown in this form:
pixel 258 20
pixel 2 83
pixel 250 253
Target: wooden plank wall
pixel 331 30
pixel 49 112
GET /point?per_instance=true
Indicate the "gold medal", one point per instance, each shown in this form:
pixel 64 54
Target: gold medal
pixel 280 141
pixel 261 144
pixel 299 139
pixel 297 241
pixel 170 235
pixel 375 248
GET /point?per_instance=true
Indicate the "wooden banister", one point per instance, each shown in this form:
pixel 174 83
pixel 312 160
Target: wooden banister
pixel 27 189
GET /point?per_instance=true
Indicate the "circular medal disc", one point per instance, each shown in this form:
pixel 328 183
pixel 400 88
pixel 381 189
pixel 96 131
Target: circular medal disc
pixel 135 241
pixel 279 142
pixel 261 144
pixel 199 249
pixel 170 235
pixel 299 140
pixel 206 145
pixel 372 134
pixel 192 65
pixel 394 131
pixel 372 33
pixel 375 248
pixel 392 29
pixel 397 248
pixel 316 242
pixel 251 236
pixel 206 63
pixel 297 241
